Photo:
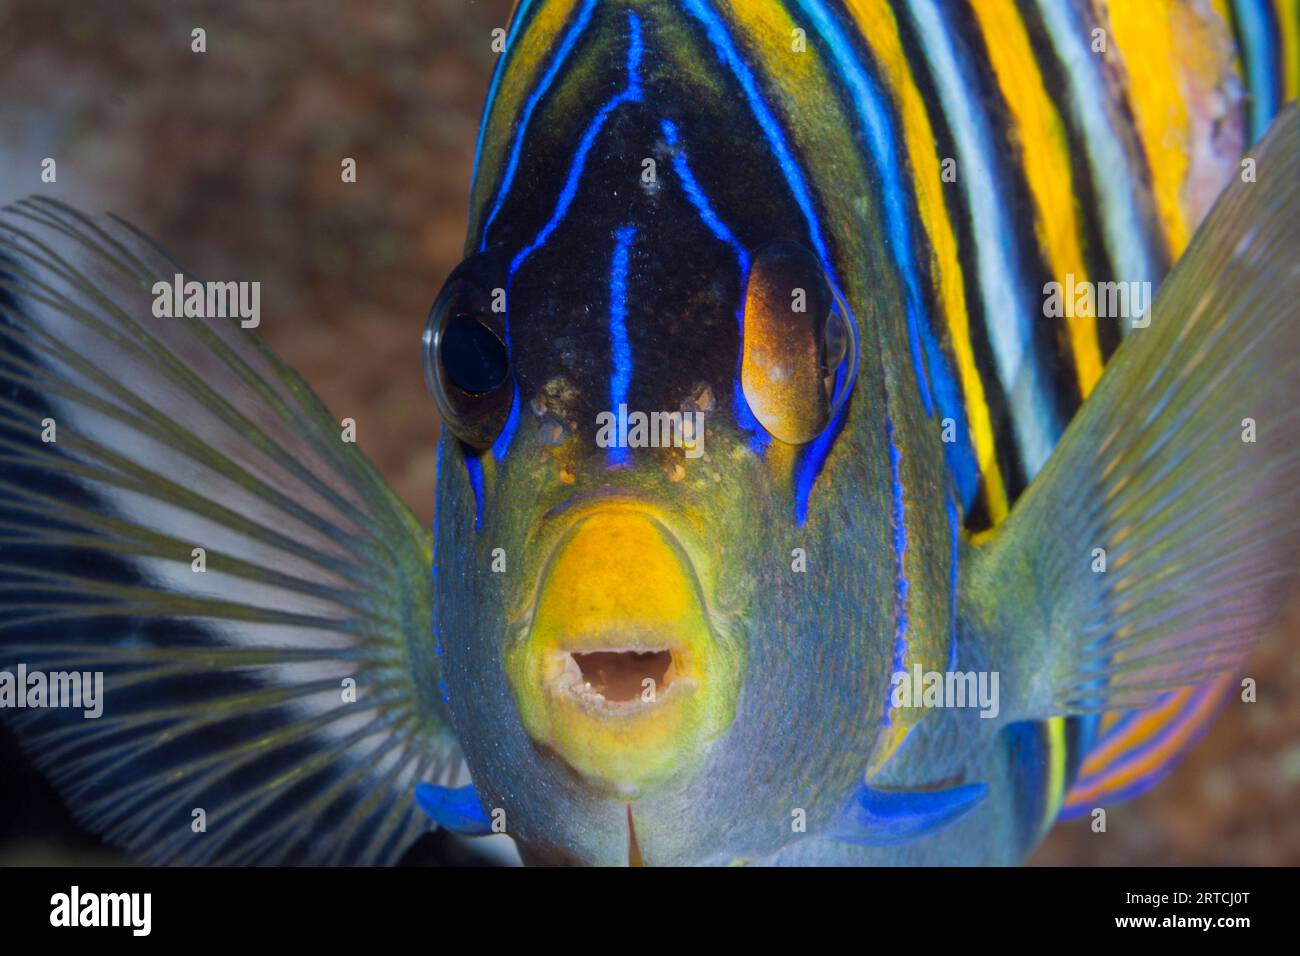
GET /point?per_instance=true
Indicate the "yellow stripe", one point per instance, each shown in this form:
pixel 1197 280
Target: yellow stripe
pixel 1056 743
pixel 1145 28
pixel 1045 154
pixel 528 60
pixel 1287 13
pixel 880 30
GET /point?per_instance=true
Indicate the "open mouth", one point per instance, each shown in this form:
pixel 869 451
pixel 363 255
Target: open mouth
pixel 619 672
pixel 618 680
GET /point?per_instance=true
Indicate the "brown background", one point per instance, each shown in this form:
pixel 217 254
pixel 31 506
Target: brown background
pixel 231 160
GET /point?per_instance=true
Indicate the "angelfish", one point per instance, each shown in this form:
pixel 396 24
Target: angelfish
pixel 831 229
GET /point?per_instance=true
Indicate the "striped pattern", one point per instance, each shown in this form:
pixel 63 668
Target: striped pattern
pixel 225 687
pixel 1067 162
pixel 1136 749
pixel 981 149
pixel 1268 37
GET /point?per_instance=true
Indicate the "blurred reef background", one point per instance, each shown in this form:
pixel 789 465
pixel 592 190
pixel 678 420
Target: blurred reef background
pixel 231 160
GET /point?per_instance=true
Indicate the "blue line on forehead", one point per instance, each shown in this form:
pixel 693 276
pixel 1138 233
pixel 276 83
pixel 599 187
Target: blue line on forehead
pixel 698 199
pixel 632 94
pixel 759 437
pixel 815 455
pixel 725 50
pixel 521 14
pixel 521 132
pixel 620 377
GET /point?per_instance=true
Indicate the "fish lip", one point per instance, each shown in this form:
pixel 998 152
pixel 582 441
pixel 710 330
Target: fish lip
pixel 574 510
pixel 620 745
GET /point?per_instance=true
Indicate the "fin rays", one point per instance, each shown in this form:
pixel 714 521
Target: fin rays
pixel 224 691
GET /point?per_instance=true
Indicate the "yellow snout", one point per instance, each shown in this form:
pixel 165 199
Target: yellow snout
pixel 620 672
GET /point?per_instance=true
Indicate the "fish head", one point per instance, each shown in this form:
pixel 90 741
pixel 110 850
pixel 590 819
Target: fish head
pixel 663 557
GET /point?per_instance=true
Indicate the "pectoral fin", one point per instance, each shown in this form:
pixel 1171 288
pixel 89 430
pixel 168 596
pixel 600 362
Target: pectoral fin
pixel 178 511
pixel 454 808
pixel 888 818
pixel 1163 536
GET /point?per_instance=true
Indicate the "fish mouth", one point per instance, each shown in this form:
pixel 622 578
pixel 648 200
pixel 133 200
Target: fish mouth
pixel 616 681
pixel 619 670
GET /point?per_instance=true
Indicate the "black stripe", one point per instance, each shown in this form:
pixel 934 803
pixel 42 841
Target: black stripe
pixel 1004 443
pixel 1096 256
pixel 1053 350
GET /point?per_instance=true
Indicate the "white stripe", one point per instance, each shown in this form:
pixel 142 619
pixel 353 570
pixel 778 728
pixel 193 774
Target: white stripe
pixel 1126 238
pixel 1002 288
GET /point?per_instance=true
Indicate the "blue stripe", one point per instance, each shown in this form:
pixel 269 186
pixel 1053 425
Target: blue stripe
pixel 813 458
pixel 758 435
pixel 433 558
pixel 544 85
pixel 502 444
pixel 1028 752
pixel 699 200
pixel 815 455
pixel 620 349
pixel 881 141
pixel 900 552
pixel 1007 301
pixel 954 523
pixel 726 52
pixel 632 94
pixel 1151 777
pixel 521 14
pixel 474 467
pixel 1257 36
pixel 934 379
pixel 1173 726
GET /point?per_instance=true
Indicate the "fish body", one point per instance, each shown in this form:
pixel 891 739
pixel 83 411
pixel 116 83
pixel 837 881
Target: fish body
pixel 777 402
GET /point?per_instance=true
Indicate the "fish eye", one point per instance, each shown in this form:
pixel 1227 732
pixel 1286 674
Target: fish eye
pixel 466 363
pixel 799 353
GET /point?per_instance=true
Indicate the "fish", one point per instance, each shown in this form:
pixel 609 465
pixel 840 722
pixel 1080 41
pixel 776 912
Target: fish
pixel 869 436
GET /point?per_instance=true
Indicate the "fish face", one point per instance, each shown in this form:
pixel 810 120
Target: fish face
pixel 628 632
pixel 632 639
pixel 659 420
